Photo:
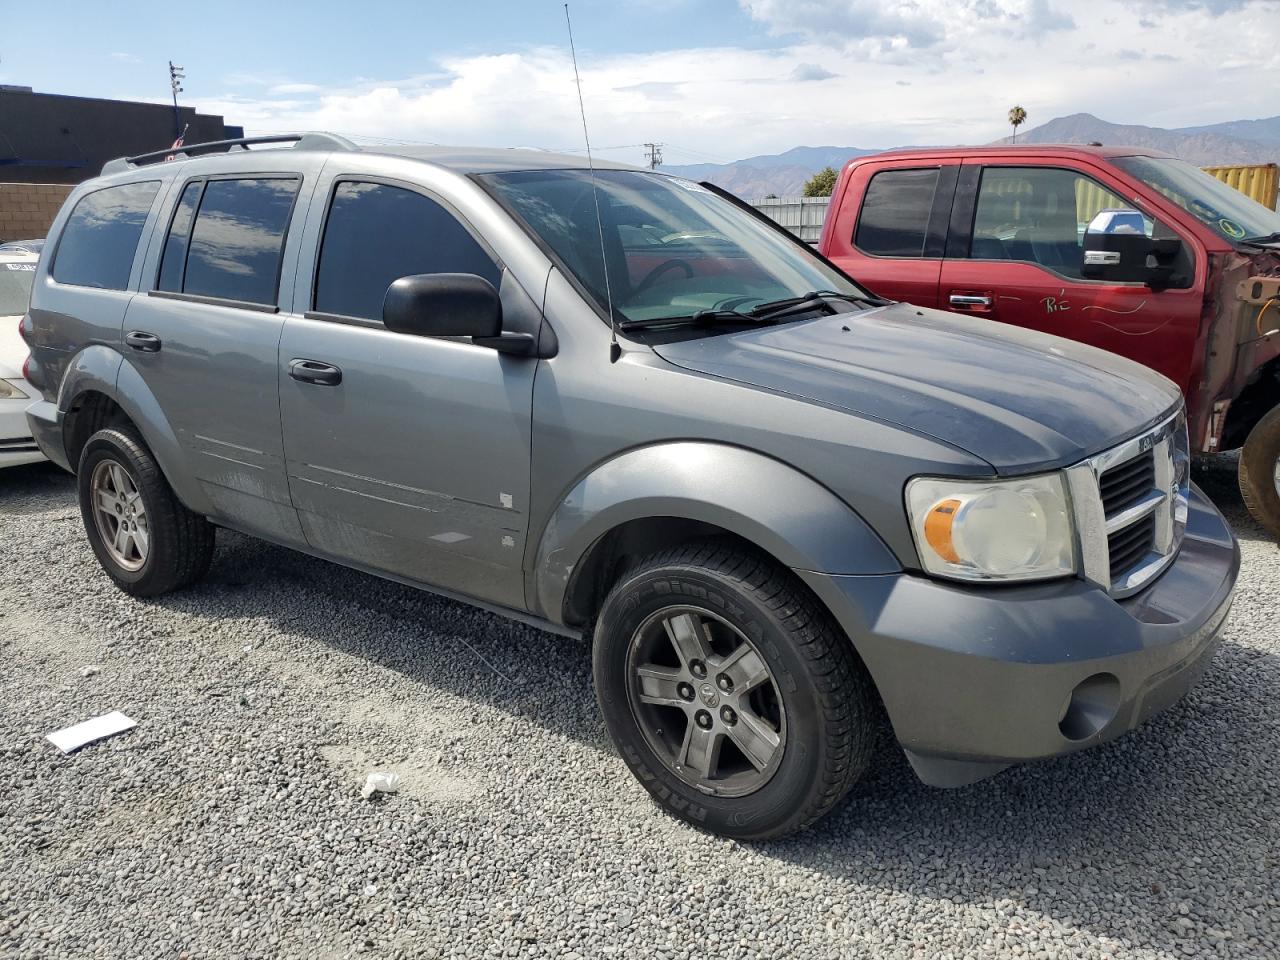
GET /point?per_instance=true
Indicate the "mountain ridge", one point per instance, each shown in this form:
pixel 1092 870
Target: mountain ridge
pixel 784 174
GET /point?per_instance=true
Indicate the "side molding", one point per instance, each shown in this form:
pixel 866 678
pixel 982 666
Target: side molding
pixel 781 510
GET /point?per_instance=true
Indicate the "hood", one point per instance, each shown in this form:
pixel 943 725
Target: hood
pixel 1018 399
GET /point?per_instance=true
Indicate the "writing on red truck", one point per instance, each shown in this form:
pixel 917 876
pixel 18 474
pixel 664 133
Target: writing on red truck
pixel 1124 249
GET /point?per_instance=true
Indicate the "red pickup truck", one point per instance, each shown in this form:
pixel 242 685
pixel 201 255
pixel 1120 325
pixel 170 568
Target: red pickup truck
pixel 1129 250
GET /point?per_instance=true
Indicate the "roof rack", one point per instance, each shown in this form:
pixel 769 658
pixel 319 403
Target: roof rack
pixel 300 141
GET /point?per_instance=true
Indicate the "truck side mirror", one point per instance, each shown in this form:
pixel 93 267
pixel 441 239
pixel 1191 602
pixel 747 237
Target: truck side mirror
pixel 1118 248
pixel 443 305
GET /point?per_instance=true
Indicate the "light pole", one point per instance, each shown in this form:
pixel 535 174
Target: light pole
pixel 176 77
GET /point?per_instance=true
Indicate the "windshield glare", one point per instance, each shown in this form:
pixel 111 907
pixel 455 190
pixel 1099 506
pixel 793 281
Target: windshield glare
pixel 15 287
pixel 1225 209
pixel 672 247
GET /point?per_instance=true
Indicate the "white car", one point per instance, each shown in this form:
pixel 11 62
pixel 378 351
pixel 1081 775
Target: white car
pixel 17 270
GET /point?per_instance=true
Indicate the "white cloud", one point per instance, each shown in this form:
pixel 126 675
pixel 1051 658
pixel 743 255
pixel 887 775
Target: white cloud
pixel 730 102
pixel 126 58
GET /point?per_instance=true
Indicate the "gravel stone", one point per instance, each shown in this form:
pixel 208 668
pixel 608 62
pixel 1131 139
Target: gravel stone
pixel 229 822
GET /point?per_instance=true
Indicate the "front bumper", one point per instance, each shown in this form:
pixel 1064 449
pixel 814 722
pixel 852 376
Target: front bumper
pixel 976 679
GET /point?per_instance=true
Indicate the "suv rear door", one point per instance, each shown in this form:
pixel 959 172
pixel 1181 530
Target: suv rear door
pixel 890 226
pixel 406 454
pixel 204 337
pixel 1014 253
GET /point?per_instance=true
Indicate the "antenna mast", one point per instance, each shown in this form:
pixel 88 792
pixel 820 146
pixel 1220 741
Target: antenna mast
pixel 615 350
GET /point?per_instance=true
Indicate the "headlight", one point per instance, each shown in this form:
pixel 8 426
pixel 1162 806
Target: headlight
pixel 1016 529
pixel 9 392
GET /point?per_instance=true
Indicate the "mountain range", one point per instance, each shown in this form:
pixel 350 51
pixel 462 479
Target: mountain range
pixel 1228 143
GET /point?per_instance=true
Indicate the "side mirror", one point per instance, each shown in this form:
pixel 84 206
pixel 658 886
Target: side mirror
pixel 443 305
pixel 1117 248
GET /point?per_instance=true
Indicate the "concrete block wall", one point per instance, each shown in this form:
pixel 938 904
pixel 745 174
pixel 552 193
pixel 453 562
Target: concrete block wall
pixel 27 209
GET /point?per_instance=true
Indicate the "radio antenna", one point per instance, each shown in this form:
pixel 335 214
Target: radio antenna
pixel 615 350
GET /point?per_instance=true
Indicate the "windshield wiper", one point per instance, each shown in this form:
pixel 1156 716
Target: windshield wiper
pixel 808 301
pixel 764 313
pixel 1262 241
pixel 701 317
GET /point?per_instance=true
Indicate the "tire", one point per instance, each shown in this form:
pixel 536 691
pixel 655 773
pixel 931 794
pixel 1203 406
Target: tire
pixel 817 702
pixel 178 543
pixel 1259 476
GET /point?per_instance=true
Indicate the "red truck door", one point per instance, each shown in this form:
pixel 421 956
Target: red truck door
pixel 1015 250
pixel 888 226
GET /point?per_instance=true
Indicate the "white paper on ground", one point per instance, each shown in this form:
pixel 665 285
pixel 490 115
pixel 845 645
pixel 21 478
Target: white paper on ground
pixel 73 738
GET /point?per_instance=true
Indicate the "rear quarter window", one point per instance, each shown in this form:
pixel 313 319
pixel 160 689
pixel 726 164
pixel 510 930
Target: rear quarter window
pixel 98 243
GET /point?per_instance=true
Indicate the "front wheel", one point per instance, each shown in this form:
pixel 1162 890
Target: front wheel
pixel 730 693
pixel 1260 472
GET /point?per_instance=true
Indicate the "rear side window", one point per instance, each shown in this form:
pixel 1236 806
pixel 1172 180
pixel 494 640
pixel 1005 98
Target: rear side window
pixel 375 234
pixel 895 213
pixel 100 238
pixel 236 240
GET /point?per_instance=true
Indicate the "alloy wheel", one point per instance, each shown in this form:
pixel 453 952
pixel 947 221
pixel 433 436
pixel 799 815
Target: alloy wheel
pixel 706 701
pixel 120 515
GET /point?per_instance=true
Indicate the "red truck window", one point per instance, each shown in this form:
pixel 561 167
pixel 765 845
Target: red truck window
pixel 894 221
pixel 1037 215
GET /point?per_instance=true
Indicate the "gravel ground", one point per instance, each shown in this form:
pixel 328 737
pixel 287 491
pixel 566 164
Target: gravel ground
pixel 229 823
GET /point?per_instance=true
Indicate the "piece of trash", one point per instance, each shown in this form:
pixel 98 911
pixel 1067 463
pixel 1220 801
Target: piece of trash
pixel 90 670
pixel 73 738
pixel 380 782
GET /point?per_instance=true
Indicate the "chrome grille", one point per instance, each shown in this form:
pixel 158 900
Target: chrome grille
pixel 1130 504
pixel 1123 486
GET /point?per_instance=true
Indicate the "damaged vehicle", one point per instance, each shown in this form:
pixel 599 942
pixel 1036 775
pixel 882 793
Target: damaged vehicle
pixel 612 402
pixel 1126 249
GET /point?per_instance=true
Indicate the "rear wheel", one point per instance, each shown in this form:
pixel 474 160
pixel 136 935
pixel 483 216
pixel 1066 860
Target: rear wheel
pixel 730 693
pixel 143 536
pixel 1260 472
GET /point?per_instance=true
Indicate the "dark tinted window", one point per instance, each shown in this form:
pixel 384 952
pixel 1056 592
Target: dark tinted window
pixel 377 234
pixel 101 236
pixel 175 246
pixel 238 239
pixel 895 213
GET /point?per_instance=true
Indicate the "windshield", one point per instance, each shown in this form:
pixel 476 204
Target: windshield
pixel 1225 209
pixel 673 248
pixel 15 287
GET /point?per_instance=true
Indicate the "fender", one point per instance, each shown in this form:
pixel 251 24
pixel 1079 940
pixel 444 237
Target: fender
pixel 137 400
pixel 100 368
pixel 782 511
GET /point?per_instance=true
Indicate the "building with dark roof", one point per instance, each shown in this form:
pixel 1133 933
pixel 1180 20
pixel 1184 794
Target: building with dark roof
pixel 50 138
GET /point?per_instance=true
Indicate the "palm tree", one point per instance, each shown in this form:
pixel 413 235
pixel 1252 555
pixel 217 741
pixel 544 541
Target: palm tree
pixel 1017 117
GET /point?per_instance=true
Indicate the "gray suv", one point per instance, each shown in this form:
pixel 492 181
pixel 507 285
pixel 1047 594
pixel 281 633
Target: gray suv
pixel 621 403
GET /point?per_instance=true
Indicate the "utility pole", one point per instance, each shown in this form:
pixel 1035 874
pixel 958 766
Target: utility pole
pixel 653 154
pixel 176 76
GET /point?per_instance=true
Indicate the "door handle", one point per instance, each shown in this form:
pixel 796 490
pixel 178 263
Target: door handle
pixel 141 340
pixel 970 300
pixel 313 371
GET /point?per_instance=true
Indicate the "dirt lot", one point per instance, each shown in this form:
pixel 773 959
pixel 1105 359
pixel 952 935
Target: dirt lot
pixel 229 823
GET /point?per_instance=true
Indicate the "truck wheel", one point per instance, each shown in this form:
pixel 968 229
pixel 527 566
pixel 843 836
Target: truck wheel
pixel 1260 472
pixel 145 539
pixel 730 693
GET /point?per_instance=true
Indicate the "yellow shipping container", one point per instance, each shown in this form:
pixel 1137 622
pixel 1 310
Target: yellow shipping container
pixel 1258 181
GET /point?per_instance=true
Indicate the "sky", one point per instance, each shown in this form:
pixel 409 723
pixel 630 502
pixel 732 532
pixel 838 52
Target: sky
pixel 714 80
